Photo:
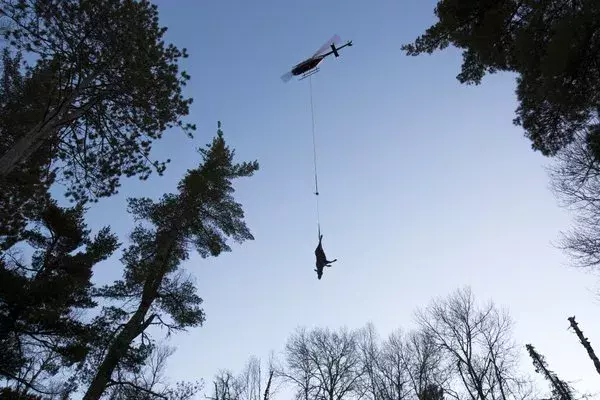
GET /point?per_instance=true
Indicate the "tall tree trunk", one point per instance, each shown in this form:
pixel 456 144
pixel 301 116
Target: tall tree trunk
pixel 135 326
pixel 118 348
pixel 32 140
pixel 268 388
pixel 585 342
pixel 165 243
pixel 24 148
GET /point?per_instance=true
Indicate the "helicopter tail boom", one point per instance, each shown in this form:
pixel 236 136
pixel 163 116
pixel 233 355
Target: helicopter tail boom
pixel 335 50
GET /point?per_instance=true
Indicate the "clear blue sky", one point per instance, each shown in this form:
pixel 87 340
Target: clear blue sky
pixel 426 186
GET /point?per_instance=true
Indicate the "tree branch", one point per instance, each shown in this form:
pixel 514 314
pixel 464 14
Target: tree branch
pixel 136 387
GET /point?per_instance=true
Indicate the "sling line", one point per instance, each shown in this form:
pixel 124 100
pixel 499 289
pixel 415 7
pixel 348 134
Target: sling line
pixel 312 112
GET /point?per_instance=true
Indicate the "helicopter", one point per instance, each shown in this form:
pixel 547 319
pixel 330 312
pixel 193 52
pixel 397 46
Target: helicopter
pixel 310 66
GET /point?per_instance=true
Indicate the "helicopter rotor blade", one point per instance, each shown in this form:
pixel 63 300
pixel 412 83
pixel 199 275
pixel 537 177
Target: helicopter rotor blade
pixel 335 39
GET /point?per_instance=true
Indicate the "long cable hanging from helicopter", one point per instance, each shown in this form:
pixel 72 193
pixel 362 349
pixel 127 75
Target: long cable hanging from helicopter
pixel 305 69
pixel 312 116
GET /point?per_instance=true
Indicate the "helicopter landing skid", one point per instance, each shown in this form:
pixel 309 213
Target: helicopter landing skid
pixel 309 73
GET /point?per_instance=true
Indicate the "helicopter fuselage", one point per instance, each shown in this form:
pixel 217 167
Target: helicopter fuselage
pixel 307 65
pixel 313 62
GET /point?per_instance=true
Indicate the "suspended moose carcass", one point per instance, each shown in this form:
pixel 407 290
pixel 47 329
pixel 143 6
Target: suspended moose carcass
pixel 311 65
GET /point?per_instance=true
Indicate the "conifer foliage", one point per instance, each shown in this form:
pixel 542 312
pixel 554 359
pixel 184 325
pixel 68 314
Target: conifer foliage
pixel 553 47
pixel 201 216
pixel 108 86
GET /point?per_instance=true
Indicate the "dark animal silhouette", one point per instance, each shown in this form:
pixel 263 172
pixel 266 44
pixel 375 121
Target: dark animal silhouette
pixel 321 259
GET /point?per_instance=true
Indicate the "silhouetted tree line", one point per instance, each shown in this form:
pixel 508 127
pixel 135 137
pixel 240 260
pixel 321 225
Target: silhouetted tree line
pixel 460 349
pixel 59 333
pixel 88 87
pixel 553 48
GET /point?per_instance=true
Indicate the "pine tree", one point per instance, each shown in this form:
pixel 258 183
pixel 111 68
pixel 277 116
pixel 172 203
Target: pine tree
pixel 202 215
pixel 553 46
pixel 40 300
pixel 560 389
pixel 106 86
pixel 585 343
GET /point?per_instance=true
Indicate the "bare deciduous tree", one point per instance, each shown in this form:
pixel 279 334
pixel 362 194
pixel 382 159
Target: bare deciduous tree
pixel 225 386
pixel 324 364
pixel 395 377
pixel 40 374
pixel 404 366
pixel 421 359
pixel 250 380
pixel 250 384
pixel 575 180
pixel 461 350
pixel 150 382
pixel 372 382
pixel 477 343
pixel 298 367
